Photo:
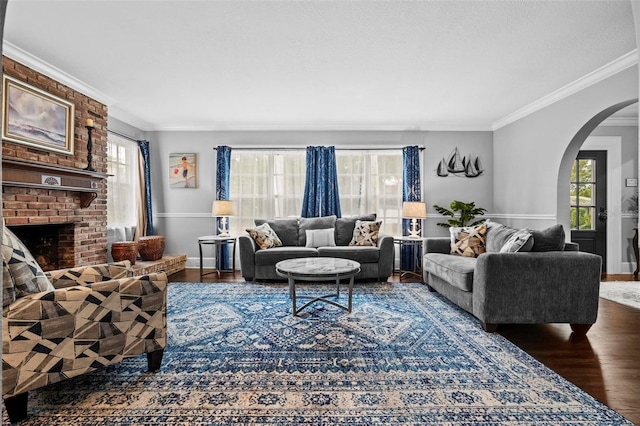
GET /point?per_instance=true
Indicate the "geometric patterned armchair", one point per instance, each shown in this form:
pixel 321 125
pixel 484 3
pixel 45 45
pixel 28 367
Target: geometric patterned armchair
pixel 68 322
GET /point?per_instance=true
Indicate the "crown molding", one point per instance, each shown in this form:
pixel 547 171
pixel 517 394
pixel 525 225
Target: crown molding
pixel 617 65
pixel 377 127
pixel 14 52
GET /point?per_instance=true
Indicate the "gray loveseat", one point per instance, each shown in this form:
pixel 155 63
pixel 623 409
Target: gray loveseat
pixel 551 283
pixel 259 264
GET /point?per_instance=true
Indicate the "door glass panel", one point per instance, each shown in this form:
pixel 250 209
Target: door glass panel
pixel 585 218
pixel 582 192
pixel 586 170
pixel 573 195
pixel 586 194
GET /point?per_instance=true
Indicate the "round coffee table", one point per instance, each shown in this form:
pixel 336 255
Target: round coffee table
pixel 318 269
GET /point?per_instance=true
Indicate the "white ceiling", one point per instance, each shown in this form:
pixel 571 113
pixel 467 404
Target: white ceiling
pixel 320 64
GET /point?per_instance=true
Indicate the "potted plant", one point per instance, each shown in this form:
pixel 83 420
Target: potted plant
pixel 461 213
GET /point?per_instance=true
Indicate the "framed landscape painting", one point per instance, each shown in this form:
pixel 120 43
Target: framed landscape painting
pixel 33 117
pixel 183 170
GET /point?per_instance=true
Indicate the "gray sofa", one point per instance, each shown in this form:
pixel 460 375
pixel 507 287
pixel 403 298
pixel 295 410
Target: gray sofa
pixel 552 283
pixel 259 264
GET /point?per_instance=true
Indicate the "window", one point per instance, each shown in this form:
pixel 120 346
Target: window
pixel 122 187
pixel 371 182
pixel 266 184
pixel 582 192
pixel 270 184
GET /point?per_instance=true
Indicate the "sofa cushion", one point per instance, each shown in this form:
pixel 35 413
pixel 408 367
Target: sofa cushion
pixel 549 239
pixel 276 254
pixel 21 271
pixel 345 225
pixel 468 241
pixel 321 237
pixel 285 229
pixel 367 254
pixel 456 270
pixel 365 233
pixel 306 223
pixel 264 236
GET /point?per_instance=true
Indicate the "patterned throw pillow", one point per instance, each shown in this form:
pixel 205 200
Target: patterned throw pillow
pixel 365 233
pixel 468 241
pixel 264 236
pixel 321 238
pixel 518 241
pixel 21 269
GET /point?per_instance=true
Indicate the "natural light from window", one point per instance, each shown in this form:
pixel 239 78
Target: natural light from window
pixel 122 186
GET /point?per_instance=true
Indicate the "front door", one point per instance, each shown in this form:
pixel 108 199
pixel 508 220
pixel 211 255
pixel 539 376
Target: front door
pixel 589 203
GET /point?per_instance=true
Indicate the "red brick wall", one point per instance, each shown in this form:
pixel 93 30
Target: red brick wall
pixel 23 206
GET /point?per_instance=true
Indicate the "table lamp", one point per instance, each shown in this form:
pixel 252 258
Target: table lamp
pixel 414 210
pixel 222 209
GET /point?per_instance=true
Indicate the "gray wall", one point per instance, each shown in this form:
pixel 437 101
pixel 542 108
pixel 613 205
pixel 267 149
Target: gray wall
pixel 184 214
pixel 531 155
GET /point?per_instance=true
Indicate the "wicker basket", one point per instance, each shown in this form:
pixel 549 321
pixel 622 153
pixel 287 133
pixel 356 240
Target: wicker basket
pixel 151 247
pixel 124 250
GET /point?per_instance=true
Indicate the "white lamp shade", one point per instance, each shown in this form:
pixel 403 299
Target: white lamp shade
pixel 414 210
pixel 223 208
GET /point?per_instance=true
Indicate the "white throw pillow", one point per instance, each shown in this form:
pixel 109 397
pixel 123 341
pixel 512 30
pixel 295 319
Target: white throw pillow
pixel 321 238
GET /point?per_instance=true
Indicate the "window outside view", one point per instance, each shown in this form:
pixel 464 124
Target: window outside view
pixel 582 194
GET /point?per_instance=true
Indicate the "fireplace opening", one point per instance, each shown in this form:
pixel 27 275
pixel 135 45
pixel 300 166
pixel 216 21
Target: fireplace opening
pixel 51 244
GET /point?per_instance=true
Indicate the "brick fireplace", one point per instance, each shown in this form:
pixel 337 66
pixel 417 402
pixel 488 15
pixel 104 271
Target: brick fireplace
pixel 74 216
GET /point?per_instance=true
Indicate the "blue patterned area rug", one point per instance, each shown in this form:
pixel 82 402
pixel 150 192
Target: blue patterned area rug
pixel 404 356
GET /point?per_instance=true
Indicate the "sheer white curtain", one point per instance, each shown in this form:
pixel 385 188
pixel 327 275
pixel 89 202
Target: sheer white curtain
pixel 265 184
pixel 270 184
pixel 122 187
pixel 371 182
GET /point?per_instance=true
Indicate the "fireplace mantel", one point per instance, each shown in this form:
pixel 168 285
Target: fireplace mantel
pixel 44 176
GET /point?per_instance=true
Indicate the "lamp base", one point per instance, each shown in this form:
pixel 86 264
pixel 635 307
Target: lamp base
pixel 414 232
pixel 223 231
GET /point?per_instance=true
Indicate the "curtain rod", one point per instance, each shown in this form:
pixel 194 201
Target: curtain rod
pixel 121 135
pixel 298 149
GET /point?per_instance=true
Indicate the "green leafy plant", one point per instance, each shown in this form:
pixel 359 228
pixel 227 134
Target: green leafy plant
pixel 461 213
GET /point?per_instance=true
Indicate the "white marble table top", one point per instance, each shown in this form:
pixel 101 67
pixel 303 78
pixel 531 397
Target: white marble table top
pixel 317 267
pixel 215 238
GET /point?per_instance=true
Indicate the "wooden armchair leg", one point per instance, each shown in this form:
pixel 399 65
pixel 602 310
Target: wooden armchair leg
pixel 17 407
pixel 154 359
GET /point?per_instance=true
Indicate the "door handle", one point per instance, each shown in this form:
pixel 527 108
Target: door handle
pixel 602 216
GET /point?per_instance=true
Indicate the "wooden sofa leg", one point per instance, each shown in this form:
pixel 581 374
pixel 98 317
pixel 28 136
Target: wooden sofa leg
pixel 154 359
pixel 17 407
pixel 489 327
pixel 580 329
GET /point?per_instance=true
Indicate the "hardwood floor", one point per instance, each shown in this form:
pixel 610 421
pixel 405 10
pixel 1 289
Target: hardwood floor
pixel 605 364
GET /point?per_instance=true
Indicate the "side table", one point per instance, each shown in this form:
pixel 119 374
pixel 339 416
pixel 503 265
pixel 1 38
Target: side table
pixel 218 241
pixel 416 245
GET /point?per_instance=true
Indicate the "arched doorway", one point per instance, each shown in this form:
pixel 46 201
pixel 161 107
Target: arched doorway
pixel 614 222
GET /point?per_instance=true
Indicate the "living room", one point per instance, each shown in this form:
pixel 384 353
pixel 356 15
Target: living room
pixel 526 150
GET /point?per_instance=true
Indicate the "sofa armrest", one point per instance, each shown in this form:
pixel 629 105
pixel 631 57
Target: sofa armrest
pixel 386 256
pixel 83 275
pixel 437 245
pixel 545 287
pixel 248 249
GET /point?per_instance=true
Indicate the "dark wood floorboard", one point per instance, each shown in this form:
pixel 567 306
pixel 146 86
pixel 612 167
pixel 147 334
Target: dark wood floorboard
pixel 605 364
